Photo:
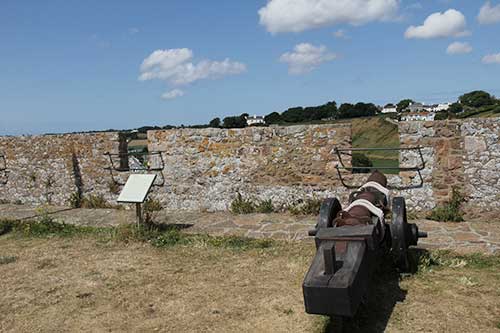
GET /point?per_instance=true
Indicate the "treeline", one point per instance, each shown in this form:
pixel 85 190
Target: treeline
pixel 471 104
pixel 299 114
pixel 468 104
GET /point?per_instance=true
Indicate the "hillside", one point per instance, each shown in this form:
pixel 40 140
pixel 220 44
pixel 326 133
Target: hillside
pixel 377 132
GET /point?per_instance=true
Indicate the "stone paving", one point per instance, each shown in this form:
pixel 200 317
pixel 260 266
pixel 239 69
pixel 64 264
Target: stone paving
pixel 465 237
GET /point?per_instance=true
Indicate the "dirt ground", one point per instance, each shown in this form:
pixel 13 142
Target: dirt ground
pixel 90 285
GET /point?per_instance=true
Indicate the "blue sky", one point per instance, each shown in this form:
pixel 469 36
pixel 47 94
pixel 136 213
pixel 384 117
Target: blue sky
pixel 71 65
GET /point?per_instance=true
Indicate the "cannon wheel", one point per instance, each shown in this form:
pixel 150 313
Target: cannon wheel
pixel 329 209
pixel 399 227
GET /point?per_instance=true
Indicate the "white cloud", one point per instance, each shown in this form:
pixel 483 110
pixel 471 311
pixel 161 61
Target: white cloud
pixel 175 66
pixel 451 23
pixel 459 48
pixel 341 34
pixel 489 14
pixel 299 15
pixel 491 59
pixel 306 57
pixel 172 94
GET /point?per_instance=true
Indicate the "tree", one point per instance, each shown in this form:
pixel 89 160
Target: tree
pixel 477 99
pixel 294 115
pixel 456 108
pixel 345 110
pixel 442 115
pixel 348 110
pixel 235 122
pixel 273 118
pixel 403 104
pixel 215 123
pixel 361 160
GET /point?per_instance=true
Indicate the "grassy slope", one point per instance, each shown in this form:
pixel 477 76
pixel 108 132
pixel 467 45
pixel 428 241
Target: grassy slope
pixel 376 132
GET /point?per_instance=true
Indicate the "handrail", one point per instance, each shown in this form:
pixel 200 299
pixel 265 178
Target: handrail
pixel 417 168
pixel 112 167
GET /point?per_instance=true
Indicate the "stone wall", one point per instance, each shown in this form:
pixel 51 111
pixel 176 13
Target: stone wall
pixel 205 169
pixel 481 163
pixel 459 154
pixel 45 168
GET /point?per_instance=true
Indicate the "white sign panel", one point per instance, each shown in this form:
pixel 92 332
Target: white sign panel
pixel 136 188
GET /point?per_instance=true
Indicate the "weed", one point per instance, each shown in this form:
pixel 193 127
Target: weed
pixel 242 206
pixel 75 200
pixel 446 258
pixel 6 226
pixel 306 207
pixel 166 236
pixel 450 211
pixel 265 206
pixel 4 260
pixel 151 208
pixel 94 201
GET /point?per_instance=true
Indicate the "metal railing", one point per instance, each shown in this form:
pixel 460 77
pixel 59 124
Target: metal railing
pixel 417 168
pixel 142 167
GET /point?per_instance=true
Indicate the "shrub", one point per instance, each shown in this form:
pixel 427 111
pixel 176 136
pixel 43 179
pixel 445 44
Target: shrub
pixel 75 200
pixel 265 206
pixel 151 208
pixel 306 207
pixel 450 211
pixel 242 206
pixel 6 226
pixel 94 201
pixel 361 160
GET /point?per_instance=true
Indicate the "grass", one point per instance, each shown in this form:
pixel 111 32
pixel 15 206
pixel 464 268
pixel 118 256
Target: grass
pixel 241 205
pixel 155 235
pixel 223 290
pixel 450 211
pixel 376 132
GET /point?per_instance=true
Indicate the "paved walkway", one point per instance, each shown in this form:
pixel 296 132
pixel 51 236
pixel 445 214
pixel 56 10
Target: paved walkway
pixel 463 237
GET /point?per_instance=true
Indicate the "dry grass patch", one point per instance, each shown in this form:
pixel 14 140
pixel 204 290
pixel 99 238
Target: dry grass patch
pixel 78 284
pixel 102 281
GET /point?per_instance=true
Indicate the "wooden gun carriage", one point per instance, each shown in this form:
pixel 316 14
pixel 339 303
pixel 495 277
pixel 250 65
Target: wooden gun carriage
pixel 349 241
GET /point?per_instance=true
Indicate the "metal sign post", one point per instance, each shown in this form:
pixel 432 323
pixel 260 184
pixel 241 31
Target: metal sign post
pixel 135 191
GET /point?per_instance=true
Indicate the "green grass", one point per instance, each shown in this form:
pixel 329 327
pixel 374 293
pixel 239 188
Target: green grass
pixel 376 132
pixel 386 163
pixel 156 235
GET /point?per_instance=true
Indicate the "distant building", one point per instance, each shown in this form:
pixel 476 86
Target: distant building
pixel 418 116
pixel 255 120
pixel 416 107
pixel 389 108
pixel 442 107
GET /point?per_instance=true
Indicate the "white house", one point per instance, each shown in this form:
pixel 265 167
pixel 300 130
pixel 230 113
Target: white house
pixel 442 107
pixel 255 120
pixel 418 116
pixel 389 109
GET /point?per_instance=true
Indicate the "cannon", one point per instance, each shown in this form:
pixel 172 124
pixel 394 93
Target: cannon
pixel 350 240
